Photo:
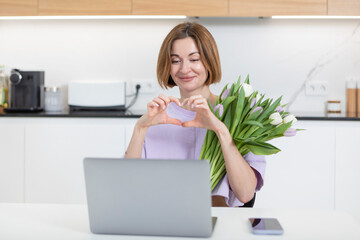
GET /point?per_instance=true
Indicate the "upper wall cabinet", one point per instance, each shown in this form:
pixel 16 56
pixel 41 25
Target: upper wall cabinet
pixel 267 8
pixel 181 7
pixel 202 8
pixel 344 7
pixel 18 7
pixel 84 7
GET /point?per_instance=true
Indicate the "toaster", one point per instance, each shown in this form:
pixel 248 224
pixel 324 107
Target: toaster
pixel 97 95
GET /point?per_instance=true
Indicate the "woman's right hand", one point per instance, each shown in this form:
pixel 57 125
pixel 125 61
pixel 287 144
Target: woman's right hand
pixel 156 112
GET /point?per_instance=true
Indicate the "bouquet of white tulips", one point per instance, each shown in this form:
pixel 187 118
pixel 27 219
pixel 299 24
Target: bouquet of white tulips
pixel 252 121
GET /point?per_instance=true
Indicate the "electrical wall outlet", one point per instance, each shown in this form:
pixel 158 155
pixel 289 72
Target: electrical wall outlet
pixel 146 86
pixel 316 88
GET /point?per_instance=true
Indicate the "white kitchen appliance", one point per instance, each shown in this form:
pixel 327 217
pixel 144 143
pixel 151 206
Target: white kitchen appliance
pixel 96 95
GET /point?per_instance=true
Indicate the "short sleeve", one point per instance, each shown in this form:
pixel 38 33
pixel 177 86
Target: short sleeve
pixel 258 163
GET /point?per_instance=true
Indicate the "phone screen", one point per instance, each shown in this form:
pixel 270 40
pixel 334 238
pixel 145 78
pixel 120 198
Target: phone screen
pixel 265 226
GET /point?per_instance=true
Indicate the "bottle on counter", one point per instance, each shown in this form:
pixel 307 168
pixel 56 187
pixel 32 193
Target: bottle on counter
pixel 351 98
pixel 3 87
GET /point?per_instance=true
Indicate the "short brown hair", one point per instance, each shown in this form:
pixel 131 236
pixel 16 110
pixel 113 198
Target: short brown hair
pixel 206 45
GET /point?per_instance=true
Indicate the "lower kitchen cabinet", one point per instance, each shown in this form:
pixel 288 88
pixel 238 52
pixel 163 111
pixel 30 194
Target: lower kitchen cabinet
pixel 42 161
pixel 11 163
pixel 129 128
pixel 347 178
pixel 302 174
pixel 55 153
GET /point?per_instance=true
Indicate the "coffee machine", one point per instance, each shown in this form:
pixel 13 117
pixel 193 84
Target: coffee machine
pixel 26 92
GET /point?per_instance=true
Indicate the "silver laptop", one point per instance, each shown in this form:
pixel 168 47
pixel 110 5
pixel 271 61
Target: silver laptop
pixel 149 197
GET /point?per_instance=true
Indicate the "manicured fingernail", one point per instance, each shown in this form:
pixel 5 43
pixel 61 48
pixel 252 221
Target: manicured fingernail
pixel 163 107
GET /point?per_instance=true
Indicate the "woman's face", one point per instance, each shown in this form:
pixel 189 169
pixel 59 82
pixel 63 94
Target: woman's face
pixel 187 69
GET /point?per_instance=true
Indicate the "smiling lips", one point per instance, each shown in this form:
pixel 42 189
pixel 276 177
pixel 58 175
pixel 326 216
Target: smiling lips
pixel 186 78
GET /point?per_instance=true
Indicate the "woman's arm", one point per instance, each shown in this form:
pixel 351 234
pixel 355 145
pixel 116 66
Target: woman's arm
pixel 156 114
pixel 135 147
pixel 241 176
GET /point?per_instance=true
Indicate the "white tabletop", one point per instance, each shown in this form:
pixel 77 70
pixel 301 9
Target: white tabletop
pixel 45 221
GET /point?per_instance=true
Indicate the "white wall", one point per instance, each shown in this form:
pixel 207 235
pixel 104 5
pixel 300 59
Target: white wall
pixel 279 55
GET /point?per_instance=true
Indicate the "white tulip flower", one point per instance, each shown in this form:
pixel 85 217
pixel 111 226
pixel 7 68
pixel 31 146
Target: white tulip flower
pixel 276 118
pixel 290 118
pixel 248 89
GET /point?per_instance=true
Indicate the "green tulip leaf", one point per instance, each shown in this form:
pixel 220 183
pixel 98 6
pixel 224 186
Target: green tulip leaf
pixel 258 150
pixel 253 123
pixel 247 81
pixel 281 129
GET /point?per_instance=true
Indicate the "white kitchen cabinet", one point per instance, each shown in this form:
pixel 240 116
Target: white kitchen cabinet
pixel 54 156
pixel 11 163
pixel 347 178
pixel 302 174
pixel 128 133
pixel 41 161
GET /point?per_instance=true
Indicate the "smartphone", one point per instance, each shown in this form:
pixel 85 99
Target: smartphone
pixel 265 226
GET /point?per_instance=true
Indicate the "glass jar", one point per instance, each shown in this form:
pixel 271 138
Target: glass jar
pixel 53 99
pixel 334 106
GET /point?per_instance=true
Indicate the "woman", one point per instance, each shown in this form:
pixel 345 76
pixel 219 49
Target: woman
pixel 175 128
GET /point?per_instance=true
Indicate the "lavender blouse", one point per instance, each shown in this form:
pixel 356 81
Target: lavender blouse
pixel 168 141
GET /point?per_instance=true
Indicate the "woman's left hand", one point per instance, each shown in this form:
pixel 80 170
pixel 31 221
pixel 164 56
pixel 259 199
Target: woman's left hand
pixel 204 117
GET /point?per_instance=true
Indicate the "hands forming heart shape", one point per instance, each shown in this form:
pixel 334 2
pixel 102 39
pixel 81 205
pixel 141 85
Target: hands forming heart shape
pixel 156 112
